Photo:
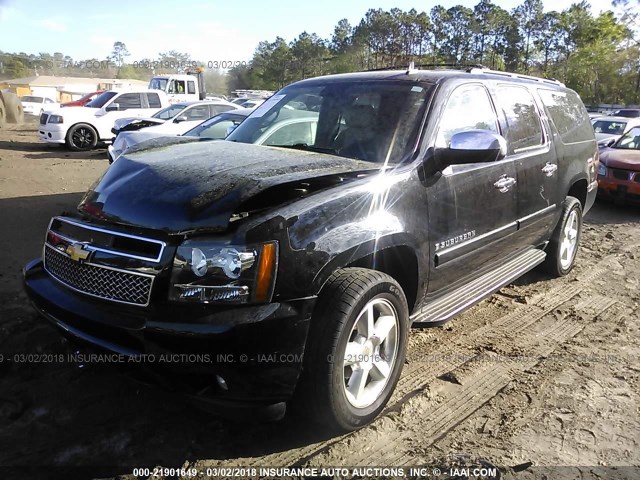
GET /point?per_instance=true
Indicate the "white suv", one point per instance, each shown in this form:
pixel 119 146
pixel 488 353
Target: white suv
pixel 81 128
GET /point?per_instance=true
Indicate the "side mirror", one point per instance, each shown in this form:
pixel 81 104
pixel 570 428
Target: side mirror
pixel 114 107
pixel 611 142
pixel 230 129
pixel 182 118
pixel 469 146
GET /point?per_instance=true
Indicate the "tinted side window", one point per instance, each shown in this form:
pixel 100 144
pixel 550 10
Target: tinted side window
pixel 199 112
pixel 216 109
pixel 292 134
pixel 523 122
pixel 129 100
pixel 468 108
pixel 191 87
pixel 154 100
pixel 568 114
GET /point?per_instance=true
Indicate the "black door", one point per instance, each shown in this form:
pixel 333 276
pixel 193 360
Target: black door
pixel 530 148
pixel 472 208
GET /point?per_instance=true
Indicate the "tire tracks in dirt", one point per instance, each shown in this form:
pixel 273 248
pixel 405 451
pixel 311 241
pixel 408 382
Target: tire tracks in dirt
pixel 417 375
pixel 462 392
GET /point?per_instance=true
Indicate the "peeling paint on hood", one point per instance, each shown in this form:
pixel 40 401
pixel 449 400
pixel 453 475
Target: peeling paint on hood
pixel 201 184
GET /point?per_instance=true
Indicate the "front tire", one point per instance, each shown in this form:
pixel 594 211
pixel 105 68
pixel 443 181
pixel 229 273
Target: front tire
pixel 565 240
pixel 355 350
pixel 82 137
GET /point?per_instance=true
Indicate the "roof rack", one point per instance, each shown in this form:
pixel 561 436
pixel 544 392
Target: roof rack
pixel 470 68
pixel 481 69
pixel 413 66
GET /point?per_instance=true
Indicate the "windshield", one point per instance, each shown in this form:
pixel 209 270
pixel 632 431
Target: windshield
pixel 375 121
pixel 88 96
pixel 158 84
pixel 169 112
pixel 216 128
pixel 101 99
pixel 629 113
pixel 609 127
pixel 31 99
pixel 630 140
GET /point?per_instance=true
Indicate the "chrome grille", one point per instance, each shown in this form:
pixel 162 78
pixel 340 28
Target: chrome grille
pixel 43 118
pixel 98 281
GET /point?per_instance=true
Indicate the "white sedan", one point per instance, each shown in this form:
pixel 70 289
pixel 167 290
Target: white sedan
pixel 34 105
pixel 176 118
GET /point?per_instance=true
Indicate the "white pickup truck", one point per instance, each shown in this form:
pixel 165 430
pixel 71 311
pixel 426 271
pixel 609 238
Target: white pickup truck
pixel 81 128
pixel 186 87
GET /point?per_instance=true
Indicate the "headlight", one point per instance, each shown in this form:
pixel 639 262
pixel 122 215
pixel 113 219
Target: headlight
pixel 206 272
pixel 602 170
pixel 55 119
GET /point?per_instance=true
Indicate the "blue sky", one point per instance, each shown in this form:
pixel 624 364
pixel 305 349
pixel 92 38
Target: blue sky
pixel 212 30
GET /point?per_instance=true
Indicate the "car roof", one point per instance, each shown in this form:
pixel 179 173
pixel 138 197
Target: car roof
pixel 200 102
pixel 611 118
pixel 431 76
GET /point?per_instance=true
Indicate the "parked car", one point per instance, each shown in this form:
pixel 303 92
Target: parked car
pixel 619 170
pixel 34 105
pixel 176 118
pixel 81 128
pixel 292 272
pixel 627 112
pixel 609 129
pixel 215 128
pixel 81 102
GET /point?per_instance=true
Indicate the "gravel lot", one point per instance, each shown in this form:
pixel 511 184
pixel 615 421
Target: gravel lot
pixel 544 373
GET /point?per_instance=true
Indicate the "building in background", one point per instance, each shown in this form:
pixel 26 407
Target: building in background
pixel 65 89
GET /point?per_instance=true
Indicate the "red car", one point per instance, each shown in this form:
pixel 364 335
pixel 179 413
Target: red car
pixel 619 170
pixel 81 102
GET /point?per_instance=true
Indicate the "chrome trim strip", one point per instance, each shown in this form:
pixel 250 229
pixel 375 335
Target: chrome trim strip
pixel 535 214
pixel 115 233
pixel 93 248
pixel 478 238
pixel 153 278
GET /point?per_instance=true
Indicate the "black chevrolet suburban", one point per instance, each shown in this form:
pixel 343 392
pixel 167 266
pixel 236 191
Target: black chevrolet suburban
pixel 287 263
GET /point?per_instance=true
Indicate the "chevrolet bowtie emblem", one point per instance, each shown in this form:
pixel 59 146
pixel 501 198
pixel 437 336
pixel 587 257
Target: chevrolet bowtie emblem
pixel 77 252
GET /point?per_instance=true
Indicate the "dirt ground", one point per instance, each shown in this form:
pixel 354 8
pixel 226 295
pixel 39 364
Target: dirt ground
pixel 545 373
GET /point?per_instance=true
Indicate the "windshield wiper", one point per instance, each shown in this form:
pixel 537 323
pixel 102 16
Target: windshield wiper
pixel 309 148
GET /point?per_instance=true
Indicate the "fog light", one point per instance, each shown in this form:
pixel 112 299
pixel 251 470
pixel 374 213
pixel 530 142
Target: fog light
pixel 213 293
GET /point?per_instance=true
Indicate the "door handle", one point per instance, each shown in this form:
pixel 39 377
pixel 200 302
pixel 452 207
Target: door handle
pixel 505 183
pixel 549 169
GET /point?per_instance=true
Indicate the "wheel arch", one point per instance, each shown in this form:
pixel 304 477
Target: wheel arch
pixel 83 123
pixel 578 189
pixel 396 257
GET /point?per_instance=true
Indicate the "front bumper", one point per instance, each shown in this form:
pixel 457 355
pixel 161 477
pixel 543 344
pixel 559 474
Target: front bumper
pixel 256 350
pixel 52 133
pixel 624 191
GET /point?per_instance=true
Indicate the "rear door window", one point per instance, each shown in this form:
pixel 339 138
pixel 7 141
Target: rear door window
pixel 568 114
pixel 129 100
pixel 524 128
pixel 154 100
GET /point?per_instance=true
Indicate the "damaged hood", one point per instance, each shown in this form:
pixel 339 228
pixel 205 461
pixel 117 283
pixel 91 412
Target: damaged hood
pixel 199 185
pixel 134 123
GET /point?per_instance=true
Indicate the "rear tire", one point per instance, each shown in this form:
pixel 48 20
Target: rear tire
pixel 355 350
pixel 565 240
pixel 82 137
